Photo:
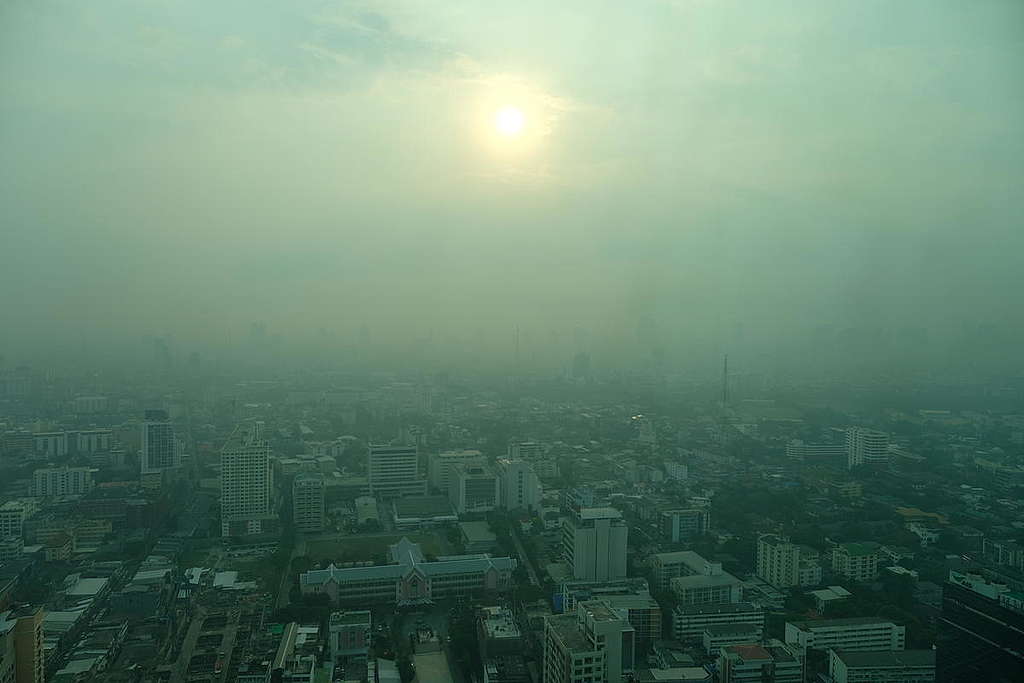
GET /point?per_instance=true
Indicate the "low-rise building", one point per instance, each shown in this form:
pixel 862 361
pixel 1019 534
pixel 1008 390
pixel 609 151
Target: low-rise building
pixel 410 578
pixel 908 666
pixel 773 663
pixel 857 634
pixel 723 635
pixel 690 621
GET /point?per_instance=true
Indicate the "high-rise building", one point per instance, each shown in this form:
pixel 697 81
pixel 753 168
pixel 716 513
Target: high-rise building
pixel 439 466
pixel 247 483
pixel 856 561
pixel 596 644
pixel 778 561
pixel 519 486
pixel 393 472
pixel 866 447
pixel 308 502
pixel 94 440
pixel 159 448
pixel 594 543
pixel 981 631
pixel 62 481
pixel 545 464
pixel 13 515
pixel 682 525
pixel 472 488
pixel 21 640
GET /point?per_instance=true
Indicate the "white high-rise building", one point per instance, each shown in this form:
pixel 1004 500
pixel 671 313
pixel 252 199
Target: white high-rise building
pixel 440 466
pixel 393 472
pixel 778 561
pixel 159 448
pixel 62 481
pixel 520 487
pixel 473 488
pixel 866 447
pixel 594 543
pixel 247 483
pixel 595 645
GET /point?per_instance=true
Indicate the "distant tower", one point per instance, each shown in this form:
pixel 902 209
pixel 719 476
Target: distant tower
pixel 725 380
pixel 517 347
pixel 158 443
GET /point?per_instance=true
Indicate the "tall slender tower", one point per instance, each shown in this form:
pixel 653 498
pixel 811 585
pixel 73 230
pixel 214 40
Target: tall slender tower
pixel 725 380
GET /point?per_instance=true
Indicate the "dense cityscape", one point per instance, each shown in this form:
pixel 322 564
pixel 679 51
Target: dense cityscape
pixel 338 526
pixel 392 341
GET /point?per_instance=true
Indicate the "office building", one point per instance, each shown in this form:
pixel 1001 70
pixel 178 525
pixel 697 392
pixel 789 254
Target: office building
pixel 308 502
pixel 715 637
pixel 393 472
pixel 667 566
pixel 866 447
pixel 21 645
pixel 62 481
pixel 697 589
pixel 594 543
pixel 410 578
pixel 519 486
pixel 857 634
pixel 247 483
pixel 856 561
pixel 472 488
pixel 439 466
pixel 785 565
pixel 349 633
pixel 909 666
pixel 594 644
pixel 981 630
pixel 690 621
pixel 752 663
pixel 683 525
pixel 159 447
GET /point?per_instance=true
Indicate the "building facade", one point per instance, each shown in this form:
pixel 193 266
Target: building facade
pixel 439 466
pixel 393 472
pixel 159 448
pixel 857 634
pixel 856 561
pixel 247 483
pixel 866 447
pixel 690 621
pixel 62 481
pixel 519 485
pixel 595 644
pixel 308 511
pixel 683 525
pixel 909 666
pixel 594 543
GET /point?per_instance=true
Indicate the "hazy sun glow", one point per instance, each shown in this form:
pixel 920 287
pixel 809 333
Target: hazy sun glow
pixel 509 121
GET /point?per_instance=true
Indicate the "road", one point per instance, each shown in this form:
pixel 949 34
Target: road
pixel 531 573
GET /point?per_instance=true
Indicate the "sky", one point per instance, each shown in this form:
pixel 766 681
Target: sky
pixel 694 176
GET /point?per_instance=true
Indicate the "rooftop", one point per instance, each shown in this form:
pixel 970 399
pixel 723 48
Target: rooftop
pixel 724 608
pixel 564 625
pixel 887 659
pixel 836 623
pixel 600 513
pixel 749 652
pixel 423 506
pixel 351 617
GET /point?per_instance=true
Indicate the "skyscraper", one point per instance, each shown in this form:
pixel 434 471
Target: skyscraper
pixel 159 450
pixel 246 500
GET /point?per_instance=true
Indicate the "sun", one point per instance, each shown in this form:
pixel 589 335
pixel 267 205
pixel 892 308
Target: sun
pixel 509 121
